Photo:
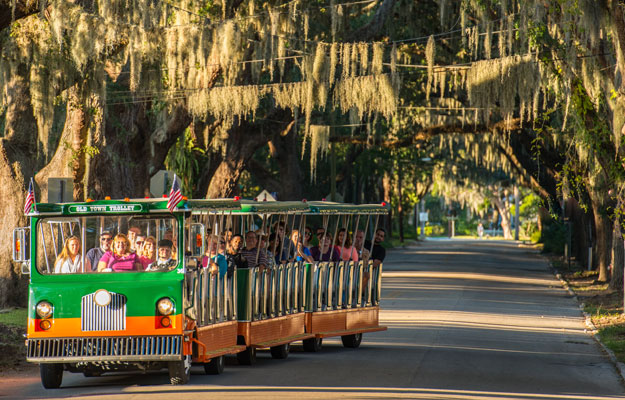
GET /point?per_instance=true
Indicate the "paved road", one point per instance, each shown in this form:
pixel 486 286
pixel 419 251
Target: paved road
pixel 467 320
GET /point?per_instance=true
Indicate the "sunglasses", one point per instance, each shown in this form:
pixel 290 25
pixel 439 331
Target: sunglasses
pixel 105 239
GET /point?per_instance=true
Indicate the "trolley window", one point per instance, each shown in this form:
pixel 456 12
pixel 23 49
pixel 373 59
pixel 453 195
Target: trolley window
pixel 78 244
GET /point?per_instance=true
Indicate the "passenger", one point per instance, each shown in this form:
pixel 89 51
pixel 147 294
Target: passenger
pixel 133 232
pixel 233 254
pixel 69 261
pixel 164 261
pixel 264 247
pixel 301 252
pixel 94 255
pixel 319 231
pixel 120 259
pixel 344 246
pixel 256 257
pixel 281 245
pixel 359 243
pixel 148 254
pixel 325 252
pixel 308 237
pixel 213 259
pixel 378 252
pixel 139 242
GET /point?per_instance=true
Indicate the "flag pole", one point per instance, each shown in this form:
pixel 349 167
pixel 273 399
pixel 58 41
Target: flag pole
pixel 32 182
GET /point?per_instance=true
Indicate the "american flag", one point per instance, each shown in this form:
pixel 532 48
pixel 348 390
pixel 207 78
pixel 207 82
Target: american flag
pixel 175 196
pixel 30 198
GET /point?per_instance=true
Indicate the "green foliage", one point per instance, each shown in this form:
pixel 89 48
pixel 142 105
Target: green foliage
pixel 554 236
pixel 184 158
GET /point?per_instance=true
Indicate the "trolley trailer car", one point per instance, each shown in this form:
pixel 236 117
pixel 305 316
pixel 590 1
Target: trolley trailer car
pixel 96 320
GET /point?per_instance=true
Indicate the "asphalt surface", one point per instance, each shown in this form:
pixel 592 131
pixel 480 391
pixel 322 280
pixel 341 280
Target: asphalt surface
pixel 466 319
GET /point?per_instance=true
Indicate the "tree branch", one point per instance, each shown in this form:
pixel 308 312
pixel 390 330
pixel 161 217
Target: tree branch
pixel 423 136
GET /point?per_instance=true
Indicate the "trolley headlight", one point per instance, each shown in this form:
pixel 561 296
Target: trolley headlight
pixel 44 309
pixel 165 306
pixel 102 297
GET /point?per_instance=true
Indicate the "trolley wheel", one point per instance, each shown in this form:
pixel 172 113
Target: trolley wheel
pixel 352 341
pixel 51 375
pixel 281 351
pixel 312 345
pixel 180 371
pixel 215 366
pixel 247 356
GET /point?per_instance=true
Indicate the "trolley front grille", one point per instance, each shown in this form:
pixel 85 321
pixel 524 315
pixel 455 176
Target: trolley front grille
pixel 141 348
pixel 96 318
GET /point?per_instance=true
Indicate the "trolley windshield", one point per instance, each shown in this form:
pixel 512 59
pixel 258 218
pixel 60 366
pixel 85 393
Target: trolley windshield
pixel 105 244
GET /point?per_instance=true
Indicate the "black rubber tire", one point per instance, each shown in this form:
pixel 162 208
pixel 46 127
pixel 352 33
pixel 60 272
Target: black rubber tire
pixel 281 351
pixel 247 356
pixel 180 371
pixel 51 375
pixel 312 345
pixel 215 366
pixel 352 341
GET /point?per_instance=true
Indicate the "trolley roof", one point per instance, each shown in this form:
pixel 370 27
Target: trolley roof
pixel 273 207
pixel 133 206
pixel 328 207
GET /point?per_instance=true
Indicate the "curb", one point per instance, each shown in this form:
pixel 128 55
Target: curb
pixel 592 329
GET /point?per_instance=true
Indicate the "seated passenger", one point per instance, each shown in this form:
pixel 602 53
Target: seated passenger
pixel 148 253
pixel 120 259
pixel 94 255
pixel 254 255
pixel 300 251
pixel 344 246
pixel 133 232
pixel 69 261
pixel 233 254
pixel 213 259
pixel 325 251
pixel 164 262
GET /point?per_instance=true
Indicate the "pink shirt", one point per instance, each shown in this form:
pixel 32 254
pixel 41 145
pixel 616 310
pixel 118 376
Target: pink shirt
pixel 120 263
pixel 348 253
pixel 145 261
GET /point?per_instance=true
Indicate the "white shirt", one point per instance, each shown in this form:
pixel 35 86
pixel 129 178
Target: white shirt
pixel 66 266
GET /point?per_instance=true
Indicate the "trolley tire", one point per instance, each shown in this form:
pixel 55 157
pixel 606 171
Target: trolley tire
pixel 180 371
pixel 215 366
pixel 51 375
pixel 312 345
pixel 247 356
pixel 352 341
pixel 281 351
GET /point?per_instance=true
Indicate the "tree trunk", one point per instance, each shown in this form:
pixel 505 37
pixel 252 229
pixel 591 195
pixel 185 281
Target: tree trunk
pixel 603 234
pixel 18 160
pixel 132 149
pixel 386 189
pixel 400 208
pixel 284 149
pixel 242 142
pixel 503 209
pixel 616 280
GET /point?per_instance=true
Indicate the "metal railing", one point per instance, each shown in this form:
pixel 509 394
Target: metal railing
pixel 212 299
pixel 336 286
pixel 276 292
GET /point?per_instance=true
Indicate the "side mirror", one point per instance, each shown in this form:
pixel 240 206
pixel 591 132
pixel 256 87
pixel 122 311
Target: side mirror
pixel 21 248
